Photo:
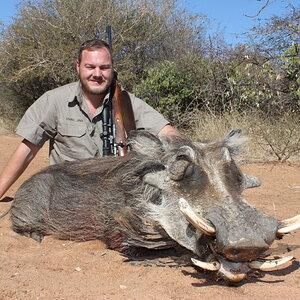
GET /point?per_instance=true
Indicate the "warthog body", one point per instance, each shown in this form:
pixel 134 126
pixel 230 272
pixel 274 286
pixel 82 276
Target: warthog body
pixel 133 201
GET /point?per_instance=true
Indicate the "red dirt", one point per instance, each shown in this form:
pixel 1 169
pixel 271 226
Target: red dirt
pixel 58 269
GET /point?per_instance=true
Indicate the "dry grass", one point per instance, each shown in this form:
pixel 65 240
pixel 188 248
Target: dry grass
pixel 7 125
pixel 269 139
pixel 4 129
pixel 10 112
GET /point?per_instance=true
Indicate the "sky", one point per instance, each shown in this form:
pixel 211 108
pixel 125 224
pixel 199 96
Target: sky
pixel 227 15
pixel 230 16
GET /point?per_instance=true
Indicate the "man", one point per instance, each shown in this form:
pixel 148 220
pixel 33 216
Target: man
pixel 70 116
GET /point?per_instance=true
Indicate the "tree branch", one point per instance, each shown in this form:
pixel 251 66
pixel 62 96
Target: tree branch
pixel 266 4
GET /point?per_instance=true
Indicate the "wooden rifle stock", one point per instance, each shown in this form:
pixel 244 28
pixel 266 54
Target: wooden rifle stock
pixel 123 118
pixel 119 130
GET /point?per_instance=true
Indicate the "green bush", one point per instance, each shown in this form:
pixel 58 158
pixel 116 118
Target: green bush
pixel 170 88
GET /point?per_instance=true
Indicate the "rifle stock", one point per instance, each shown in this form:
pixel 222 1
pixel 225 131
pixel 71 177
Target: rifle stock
pixel 119 130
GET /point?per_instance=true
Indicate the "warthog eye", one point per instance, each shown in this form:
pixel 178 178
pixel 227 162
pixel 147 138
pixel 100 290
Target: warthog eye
pixel 189 171
pixel 194 179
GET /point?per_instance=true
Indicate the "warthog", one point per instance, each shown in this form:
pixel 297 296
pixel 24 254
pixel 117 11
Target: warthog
pixel 164 193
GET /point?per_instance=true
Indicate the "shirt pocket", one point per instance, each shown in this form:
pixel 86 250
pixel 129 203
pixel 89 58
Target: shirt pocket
pixel 72 139
pixel 70 130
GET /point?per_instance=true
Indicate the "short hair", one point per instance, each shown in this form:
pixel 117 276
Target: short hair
pixel 92 45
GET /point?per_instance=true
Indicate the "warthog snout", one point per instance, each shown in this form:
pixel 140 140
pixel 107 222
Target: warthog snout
pixel 244 251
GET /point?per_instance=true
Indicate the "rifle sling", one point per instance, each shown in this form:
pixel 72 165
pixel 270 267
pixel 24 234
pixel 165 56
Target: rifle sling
pixel 127 112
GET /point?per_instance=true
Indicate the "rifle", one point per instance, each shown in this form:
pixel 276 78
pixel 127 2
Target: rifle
pixel 117 117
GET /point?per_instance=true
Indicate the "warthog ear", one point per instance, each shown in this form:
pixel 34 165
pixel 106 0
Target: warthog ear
pixel 145 143
pixel 233 140
pixel 184 156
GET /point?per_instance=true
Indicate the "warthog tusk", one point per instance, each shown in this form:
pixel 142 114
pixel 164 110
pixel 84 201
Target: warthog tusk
pixel 198 222
pixel 210 266
pixel 289 225
pixel 269 265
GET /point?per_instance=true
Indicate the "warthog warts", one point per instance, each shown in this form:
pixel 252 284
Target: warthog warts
pixel 164 193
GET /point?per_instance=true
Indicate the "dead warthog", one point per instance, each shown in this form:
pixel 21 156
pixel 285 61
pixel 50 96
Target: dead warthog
pixel 163 194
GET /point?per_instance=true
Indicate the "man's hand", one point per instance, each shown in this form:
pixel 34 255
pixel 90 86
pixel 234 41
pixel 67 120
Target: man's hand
pixel 168 130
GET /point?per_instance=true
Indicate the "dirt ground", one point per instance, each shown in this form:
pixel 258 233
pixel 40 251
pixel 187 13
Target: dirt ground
pixel 58 269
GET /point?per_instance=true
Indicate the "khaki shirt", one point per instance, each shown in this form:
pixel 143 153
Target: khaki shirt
pixel 62 116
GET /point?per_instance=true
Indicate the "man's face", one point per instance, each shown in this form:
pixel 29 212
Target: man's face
pixel 95 71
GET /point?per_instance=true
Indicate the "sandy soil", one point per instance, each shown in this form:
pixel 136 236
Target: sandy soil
pixel 58 269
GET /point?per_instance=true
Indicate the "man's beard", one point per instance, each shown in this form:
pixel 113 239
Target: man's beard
pixel 101 90
pixel 96 91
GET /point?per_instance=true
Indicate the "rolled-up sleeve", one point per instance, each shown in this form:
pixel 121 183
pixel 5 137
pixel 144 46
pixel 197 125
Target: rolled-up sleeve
pixel 38 123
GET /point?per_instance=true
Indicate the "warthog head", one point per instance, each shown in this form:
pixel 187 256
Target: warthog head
pixel 199 203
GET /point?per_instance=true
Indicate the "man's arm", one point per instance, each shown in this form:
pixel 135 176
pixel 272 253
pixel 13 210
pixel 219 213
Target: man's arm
pixel 17 164
pixel 168 130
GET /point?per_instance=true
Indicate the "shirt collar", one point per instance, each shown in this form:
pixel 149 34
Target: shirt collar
pixel 78 94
